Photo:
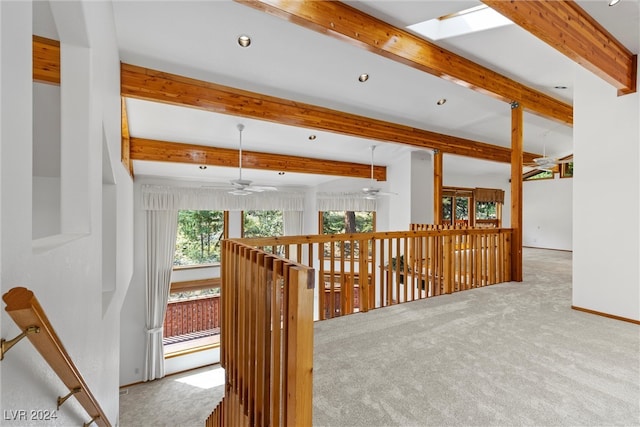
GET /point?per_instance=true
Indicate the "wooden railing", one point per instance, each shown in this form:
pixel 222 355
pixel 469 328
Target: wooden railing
pixel 24 308
pixel 267 303
pixel 192 315
pixel 396 266
pixel 267 339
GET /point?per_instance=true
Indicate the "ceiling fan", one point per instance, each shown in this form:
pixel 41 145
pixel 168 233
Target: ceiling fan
pixel 372 192
pixel 243 187
pixel 545 163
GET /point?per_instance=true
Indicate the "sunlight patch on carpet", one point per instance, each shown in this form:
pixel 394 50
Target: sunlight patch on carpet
pixel 204 380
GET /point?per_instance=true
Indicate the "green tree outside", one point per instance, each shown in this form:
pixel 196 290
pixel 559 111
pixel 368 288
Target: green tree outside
pixel 198 237
pixel 340 222
pixel 263 223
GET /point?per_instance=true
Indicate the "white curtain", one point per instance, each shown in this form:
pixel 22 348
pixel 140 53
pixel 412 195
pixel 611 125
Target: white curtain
pixel 292 222
pixel 162 226
pixel 344 202
pixel 156 197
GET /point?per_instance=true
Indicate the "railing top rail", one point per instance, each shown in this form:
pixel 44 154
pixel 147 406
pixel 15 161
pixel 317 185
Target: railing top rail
pixel 23 307
pixel 249 243
pixel 323 238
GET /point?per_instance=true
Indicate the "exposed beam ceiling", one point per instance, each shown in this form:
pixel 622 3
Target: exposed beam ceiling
pixel 147 149
pixel 46 69
pixel 163 87
pixel 152 85
pixel 356 27
pixel 565 26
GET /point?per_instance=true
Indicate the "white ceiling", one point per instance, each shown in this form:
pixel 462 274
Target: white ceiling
pixel 199 39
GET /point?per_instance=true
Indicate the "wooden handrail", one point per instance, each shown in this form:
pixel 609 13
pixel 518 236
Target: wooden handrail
pixel 23 307
pixel 434 260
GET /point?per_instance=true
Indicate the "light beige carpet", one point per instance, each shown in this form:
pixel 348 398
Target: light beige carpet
pixel 181 400
pixel 513 354
pixel 505 355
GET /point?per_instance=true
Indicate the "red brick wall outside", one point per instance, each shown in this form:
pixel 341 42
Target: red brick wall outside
pixel 195 315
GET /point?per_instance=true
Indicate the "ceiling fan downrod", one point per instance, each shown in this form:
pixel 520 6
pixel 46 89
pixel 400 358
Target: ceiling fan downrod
pixel 240 129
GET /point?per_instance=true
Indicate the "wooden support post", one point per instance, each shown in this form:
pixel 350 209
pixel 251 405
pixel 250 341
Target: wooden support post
pixel 437 186
pixel 516 190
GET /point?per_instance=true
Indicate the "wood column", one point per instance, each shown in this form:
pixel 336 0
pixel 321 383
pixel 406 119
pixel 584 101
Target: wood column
pixel 437 186
pixel 516 190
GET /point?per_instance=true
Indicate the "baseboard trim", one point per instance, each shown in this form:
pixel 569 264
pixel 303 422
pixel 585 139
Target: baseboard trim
pixel 122 387
pixel 548 249
pixel 610 316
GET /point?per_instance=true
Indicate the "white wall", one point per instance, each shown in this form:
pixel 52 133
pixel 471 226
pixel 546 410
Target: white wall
pixel 64 271
pixel 399 177
pixel 421 188
pixel 547 213
pixel 605 198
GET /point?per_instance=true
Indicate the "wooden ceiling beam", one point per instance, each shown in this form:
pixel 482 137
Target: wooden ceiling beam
pixel 152 85
pixel 46 68
pixel 353 26
pixel 163 151
pixel 565 26
pixel 46 60
pixel 125 141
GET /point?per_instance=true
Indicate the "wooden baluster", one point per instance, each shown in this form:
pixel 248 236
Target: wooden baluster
pixel 322 295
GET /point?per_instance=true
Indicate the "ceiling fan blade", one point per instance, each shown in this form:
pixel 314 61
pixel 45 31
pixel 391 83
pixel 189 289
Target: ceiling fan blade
pixel 240 183
pixel 260 188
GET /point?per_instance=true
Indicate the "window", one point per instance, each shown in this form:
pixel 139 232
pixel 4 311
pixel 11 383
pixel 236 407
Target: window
pixel 346 222
pixel 566 169
pixel 262 224
pixel 447 202
pixel 456 206
pixel 486 210
pixel 476 207
pixel 198 237
pixel 338 222
pixel 192 320
pixel 537 174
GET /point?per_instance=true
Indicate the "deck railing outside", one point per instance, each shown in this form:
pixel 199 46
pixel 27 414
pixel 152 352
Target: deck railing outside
pixel 191 317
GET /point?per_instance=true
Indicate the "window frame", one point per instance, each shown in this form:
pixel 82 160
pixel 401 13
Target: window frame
pixel 529 176
pixel 564 166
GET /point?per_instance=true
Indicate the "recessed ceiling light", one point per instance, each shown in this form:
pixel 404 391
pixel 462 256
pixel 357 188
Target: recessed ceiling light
pixel 203 167
pixel 312 137
pixel 363 77
pixel 559 87
pixel 613 2
pixel 280 173
pixel 441 101
pixel 244 40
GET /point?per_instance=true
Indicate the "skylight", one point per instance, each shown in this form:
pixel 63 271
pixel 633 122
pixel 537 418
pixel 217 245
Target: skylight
pixel 479 18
